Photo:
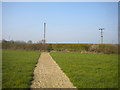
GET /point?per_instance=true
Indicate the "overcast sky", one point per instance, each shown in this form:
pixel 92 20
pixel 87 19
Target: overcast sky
pixel 66 21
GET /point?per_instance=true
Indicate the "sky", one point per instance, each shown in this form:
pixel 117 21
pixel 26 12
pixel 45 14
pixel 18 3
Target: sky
pixel 75 22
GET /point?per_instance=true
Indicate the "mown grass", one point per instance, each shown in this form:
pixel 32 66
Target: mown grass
pixel 89 70
pixel 17 68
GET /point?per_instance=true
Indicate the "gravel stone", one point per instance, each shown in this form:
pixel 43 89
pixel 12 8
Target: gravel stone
pixel 47 74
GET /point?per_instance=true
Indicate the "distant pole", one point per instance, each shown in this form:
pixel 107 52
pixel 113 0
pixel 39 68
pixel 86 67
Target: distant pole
pixel 101 29
pixel 44 32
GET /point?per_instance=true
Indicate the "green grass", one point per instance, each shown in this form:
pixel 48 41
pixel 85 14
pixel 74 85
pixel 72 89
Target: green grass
pixel 17 68
pixel 0 68
pixel 89 70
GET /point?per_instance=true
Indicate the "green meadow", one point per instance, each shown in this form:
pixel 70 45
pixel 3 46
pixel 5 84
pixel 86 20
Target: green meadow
pixel 17 68
pixel 85 70
pixel 0 67
pixel 89 70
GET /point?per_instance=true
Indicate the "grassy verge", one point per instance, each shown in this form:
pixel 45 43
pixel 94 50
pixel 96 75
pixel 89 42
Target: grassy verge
pixel 17 68
pixel 89 70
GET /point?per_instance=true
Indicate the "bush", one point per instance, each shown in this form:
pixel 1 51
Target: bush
pixel 104 48
pixel 70 47
pixel 98 48
pixel 94 48
pixel 108 48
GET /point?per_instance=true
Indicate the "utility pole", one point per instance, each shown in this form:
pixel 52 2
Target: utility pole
pixel 101 29
pixel 44 32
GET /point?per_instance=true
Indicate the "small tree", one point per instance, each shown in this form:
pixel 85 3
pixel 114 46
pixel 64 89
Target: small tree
pixel 4 41
pixel 30 41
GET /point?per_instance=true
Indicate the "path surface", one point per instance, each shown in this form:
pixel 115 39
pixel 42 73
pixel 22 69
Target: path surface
pixel 48 74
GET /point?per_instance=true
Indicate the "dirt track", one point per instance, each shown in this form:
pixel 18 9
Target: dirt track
pixel 48 74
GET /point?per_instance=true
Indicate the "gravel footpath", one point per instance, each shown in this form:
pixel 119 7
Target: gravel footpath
pixel 47 74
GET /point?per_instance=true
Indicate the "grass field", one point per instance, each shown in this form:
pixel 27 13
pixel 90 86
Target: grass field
pixel 89 70
pixel 17 68
pixel 0 68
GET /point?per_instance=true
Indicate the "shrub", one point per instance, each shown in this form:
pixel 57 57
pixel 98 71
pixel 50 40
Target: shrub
pixel 98 48
pixel 108 48
pixel 94 48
